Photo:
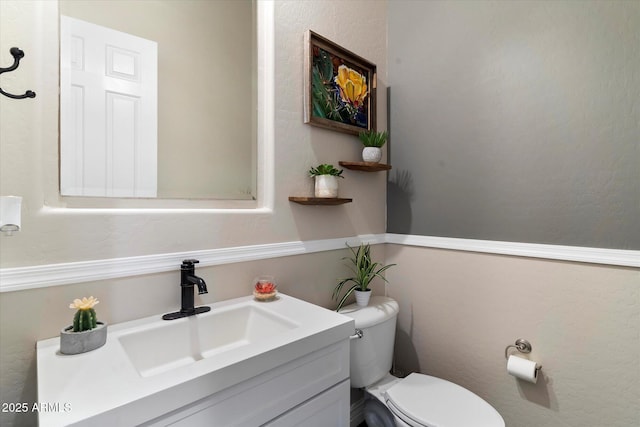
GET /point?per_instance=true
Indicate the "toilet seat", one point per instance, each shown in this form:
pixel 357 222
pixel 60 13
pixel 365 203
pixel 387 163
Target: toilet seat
pixel 425 401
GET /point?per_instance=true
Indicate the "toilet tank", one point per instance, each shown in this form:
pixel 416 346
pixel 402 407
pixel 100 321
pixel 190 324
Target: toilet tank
pixel 372 355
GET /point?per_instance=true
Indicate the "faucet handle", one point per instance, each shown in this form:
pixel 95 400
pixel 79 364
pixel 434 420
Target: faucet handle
pixel 189 262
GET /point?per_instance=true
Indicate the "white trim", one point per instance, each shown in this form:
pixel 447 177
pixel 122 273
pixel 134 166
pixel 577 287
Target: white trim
pixel 619 257
pixel 40 276
pixel 266 104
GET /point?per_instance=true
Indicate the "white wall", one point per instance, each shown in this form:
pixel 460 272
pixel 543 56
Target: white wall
pixel 30 156
pixel 28 167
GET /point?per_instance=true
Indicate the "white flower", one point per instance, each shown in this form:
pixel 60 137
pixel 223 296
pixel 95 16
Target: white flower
pixel 84 303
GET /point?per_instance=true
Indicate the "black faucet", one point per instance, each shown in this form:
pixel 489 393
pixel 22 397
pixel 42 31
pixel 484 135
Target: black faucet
pixel 188 279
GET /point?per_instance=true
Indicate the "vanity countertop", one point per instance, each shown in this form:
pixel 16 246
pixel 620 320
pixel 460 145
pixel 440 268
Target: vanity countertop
pixel 105 387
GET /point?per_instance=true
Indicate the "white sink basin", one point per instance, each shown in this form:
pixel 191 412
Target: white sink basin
pixel 174 343
pixel 151 366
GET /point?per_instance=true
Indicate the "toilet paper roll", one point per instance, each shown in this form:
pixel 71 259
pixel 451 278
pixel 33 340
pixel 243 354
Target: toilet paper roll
pixel 522 368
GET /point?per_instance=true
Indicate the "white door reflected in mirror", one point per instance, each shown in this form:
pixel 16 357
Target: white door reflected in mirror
pixel 108 112
pixel 207 101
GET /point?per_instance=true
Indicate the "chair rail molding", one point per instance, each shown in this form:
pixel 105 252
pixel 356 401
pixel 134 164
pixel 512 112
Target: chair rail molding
pixel 40 276
pixel 617 257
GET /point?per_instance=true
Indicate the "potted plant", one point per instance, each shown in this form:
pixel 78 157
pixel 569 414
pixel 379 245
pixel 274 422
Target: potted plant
pixel 373 142
pixel 326 177
pixel 364 271
pixel 86 333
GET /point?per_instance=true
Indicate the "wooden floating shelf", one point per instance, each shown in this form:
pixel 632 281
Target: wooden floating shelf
pixel 365 166
pixel 319 200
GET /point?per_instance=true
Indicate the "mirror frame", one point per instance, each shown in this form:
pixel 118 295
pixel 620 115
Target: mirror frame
pixel 265 144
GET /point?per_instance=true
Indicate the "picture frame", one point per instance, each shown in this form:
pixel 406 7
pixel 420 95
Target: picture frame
pixel 339 87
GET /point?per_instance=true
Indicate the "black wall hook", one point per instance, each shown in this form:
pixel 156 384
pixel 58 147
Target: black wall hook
pixel 17 56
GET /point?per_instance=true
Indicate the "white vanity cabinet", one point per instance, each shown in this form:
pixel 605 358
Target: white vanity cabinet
pixel 310 391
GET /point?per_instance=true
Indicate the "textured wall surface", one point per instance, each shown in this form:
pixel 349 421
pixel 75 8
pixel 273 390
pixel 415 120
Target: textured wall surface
pixel 458 312
pixel 29 163
pixel 516 121
pixel 29 144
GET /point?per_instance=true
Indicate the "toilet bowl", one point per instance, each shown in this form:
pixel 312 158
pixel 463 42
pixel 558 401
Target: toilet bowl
pixel 415 401
pixel 422 400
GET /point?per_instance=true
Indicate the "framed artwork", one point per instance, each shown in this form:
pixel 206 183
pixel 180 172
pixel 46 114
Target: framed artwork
pixel 340 87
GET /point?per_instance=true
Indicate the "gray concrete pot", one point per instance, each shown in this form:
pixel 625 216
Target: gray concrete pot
pixel 81 342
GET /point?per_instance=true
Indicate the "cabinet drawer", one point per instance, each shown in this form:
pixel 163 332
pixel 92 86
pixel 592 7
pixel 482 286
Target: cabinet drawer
pixel 330 408
pixel 266 396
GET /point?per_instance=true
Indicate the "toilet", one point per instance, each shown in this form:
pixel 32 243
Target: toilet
pixel 415 401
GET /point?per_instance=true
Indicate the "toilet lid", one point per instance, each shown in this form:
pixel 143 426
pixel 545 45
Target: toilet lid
pixel 422 400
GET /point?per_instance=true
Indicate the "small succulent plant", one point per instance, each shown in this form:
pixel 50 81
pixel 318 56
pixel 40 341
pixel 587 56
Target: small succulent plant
pixel 325 169
pixel 85 318
pixel 371 138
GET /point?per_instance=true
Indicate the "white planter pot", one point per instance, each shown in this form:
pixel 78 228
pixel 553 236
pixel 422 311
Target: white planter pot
pixel 326 186
pixel 371 154
pixel 362 297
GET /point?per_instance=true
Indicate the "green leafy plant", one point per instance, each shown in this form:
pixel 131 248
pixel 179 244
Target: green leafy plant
pixel 364 271
pixel 371 138
pixel 325 169
pixel 324 97
pixel 85 318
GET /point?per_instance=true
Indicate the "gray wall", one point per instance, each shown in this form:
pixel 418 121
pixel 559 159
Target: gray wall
pixel 516 121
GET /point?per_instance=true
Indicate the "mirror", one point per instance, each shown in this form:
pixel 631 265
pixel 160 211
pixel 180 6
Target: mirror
pixel 206 99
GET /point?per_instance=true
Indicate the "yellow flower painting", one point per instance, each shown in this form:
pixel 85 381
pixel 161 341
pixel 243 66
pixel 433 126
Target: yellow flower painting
pixel 340 88
pixel 353 86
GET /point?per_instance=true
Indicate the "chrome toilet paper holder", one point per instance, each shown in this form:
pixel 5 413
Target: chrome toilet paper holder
pixel 523 346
